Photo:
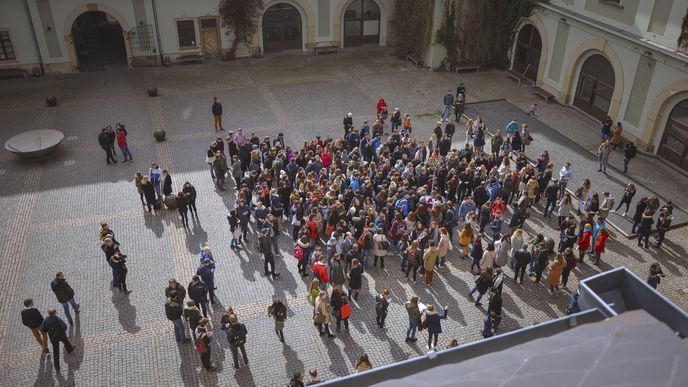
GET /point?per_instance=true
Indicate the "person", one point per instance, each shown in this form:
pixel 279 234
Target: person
pixel 607 128
pixel 207 273
pixel 138 182
pixel 531 109
pixel 494 307
pixel 434 322
pixel 638 215
pixel 645 226
pixel 448 102
pixel 442 247
pixel 322 315
pixel 183 208
pixel 296 380
pixel 570 259
pixel 174 311
pixel 606 206
pixel 337 272
pixel 489 256
pixel 33 319
pixel 65 295
pixel 413 260
pixel 663 224
pixel 477 252
pixel 565 175
pixel 522 258
pixel 414 319
pixel 630 151
pixel 355 279
pixel 348 123
pixel 166 182
pixel 617 133
pixel 363 363
pixel 149 193
pixel 154 174
pixel 315 379
pixel 193 316
pixel 488 325
pixel 556 268
pixel 122 144
pixel 338 302
pixel 396 119
pixel 278 311
pixel 190 192
pixel 655 275
pixel 460 89
pixel 603 156
pixel 198 291
pixel 551 194
pixel 57 332
pixel 582 193
pixel 482 284
pixel 629 193
pixel 220 168
pixel 600 243
pixel 266 249
pixel 104 142
pixel 236 336
pixel 429 260
pixel 203 344
pixel 381 306
pixel 118 263
pixel 380 246
pixel 217 113
pixel 459 106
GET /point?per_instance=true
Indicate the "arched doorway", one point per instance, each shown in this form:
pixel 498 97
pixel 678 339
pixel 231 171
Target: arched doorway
pixel 527 55
pixel 281 28
pixel 361 23
pixel 595 86
pixel 674 145
pixel 98 40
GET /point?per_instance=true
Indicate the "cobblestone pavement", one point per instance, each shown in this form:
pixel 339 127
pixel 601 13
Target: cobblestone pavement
pixel 52 209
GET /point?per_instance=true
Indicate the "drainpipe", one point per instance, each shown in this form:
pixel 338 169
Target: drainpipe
pixel 157 30
pixel 33 34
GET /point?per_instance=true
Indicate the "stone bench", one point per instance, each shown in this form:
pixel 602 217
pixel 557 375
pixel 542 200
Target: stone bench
pixel 416 61
pixel 542 93
pixel 324 50
pixel 13 73
pixel 466 67
pixel 191 59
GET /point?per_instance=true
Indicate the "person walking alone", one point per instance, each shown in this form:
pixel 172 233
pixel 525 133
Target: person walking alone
pixel 190 192
pixel 236 336
pixel 278 311
pixel 217 114
pixel 630 151
pixel 381 306
pixel 33 319
pixel 65 295
pixel 57 332
pixel 603 156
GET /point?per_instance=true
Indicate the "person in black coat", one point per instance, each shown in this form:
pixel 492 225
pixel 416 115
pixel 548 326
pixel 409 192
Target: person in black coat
pixel 495 307
pixel 205 336
pixel 166 183
pixel 119 267
pixel 57 331
pixel 64 294
pixel 236 336
pixel 198 291
pixel 190 192
pixel 32 319
pixel 104 142
pixel 355 274
pixel 148 193
pixel 522 257
pixel 217 113
pixel 183 208
pixel 110 248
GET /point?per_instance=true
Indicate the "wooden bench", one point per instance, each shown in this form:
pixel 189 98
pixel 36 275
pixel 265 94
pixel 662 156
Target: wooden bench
pixel 542 93
pixel 416 61
pixel 14 73
pixel 191 59
pixel 466 67
pixel 331 49
pixel 511 74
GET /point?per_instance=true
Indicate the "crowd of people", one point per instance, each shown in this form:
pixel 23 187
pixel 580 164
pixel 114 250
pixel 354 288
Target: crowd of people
pixel 377 195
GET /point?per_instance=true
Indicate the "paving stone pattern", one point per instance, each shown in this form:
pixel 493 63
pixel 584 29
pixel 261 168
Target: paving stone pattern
pixel 52 212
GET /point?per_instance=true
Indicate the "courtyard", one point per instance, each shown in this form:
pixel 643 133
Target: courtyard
pixel 53 207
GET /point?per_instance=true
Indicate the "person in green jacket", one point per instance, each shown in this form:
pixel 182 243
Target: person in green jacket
pixel 429 260
pixel 414 319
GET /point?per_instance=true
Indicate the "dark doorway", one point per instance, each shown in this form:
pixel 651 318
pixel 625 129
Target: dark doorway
pixel 595 86
pixel 361 23
pixel 674 146
pixel 281 28
pixel 98 41
pixel 527 55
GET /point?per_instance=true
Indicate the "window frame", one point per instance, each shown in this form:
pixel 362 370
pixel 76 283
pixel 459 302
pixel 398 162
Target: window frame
pixel 194 23
pixel 613 3
pixel 12 46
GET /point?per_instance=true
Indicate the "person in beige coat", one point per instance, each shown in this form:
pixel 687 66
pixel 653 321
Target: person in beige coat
pixel 532 189
pixel 379 249
pixel 443 246
pixel 322 315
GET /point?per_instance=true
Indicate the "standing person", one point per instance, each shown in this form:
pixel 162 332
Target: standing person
pixel 244 213
pixel 617 133
pixel 119 269
pixel 630 151
pixel 138 181
pixel 565 175
pixel 339 310
pixel 217 113
pixel 494 307
pixel 166 182
pixel 565 205
pixel 190 192
pixel 278 311
pixel 122 144
pixel 266 249
pixel 448 102
pixel 234 227
pixel 193 316
pixel 355 280
pixel 655 275
pixel 459 105
pixel 104 142
pixel 57 331
pixel 173 311
pixel 395 120
pixel 477 252
pixel 380 246
pixel 381 306
pixel 434 321
pixel 629 193
pixel 607 128
pixel 154 174
pixel 551 194
pixel 429 261
pixel 337 271
pixel 645 227
pixel 207 273
pixel 414 319
pixel 663 225
pixel 603 152
pixel 220 168
pixel 183 208
pixel 174 286
pixel 556 268
pixel 322 315
pixel 482 284
pixel 413 260
pixel 363 363
pixel 33 319
pixel 600 244
pixel 570 259
pixel 236 336
pixel 443 247
pixel 148 193
pixel 198 291
pixel 65 295
pixel 203 344
pixel 582 193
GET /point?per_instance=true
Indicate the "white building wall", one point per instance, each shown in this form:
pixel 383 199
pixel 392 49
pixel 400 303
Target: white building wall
pixel 14 19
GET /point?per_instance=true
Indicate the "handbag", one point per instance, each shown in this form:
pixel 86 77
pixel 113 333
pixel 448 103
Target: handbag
pixel 345 311
pixel 319 318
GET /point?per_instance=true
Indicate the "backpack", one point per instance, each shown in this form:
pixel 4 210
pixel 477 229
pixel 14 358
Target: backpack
pixel 381 307
pixel 239 338
pixel 200 344
pixel 298 252
pixel 281 315
pixel 384 244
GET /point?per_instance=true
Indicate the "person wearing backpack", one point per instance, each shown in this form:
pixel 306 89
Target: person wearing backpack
pixel 278 311
pixel 381 305
pixel 203 344
pixel 236 336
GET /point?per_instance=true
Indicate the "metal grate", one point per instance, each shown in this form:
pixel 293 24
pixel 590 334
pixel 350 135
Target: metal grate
pixel 142 42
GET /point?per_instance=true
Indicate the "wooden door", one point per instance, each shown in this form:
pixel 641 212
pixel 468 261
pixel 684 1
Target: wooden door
pixel 210 37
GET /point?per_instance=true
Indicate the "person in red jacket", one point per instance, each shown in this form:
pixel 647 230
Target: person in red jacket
pixel 319 270
pixel 599 245
pixel 584 241
pixel 312 228
pixel 122 143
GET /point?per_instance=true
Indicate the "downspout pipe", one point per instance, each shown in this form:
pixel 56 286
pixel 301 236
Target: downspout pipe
pixel 33 34
pixel 157 30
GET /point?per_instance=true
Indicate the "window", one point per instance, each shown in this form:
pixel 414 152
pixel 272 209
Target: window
pixel 6 49
pixel 187 33
pixel 613 2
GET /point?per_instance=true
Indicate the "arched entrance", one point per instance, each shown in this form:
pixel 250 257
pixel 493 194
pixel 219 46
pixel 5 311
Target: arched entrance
pixel 528 49
pixel 674 145
pixel 282 28
pixel 98 41
pixel 361 23
pixel 595 86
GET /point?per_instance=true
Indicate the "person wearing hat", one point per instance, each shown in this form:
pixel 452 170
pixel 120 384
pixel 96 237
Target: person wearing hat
pixel 551 195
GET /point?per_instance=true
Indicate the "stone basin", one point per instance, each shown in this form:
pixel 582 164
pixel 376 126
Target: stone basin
pixel 35 143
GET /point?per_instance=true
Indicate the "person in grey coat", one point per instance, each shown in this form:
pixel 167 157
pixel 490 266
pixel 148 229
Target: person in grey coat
pixel 337 274
pixel 603 156
pixel 237 172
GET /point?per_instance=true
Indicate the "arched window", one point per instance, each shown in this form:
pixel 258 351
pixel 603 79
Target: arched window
pixel 361 23
pixel 674 146
pixel 595 86
pixel 281 28
pixel 527 54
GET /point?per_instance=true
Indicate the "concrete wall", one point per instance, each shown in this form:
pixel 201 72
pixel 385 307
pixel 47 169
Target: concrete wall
pixel 13 18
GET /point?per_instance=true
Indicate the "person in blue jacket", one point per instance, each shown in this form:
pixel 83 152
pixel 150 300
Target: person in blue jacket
pixel 207 273
pixel 433 320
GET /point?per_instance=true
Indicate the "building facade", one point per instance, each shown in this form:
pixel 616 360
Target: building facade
pixel 74 35
pixel 614 57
